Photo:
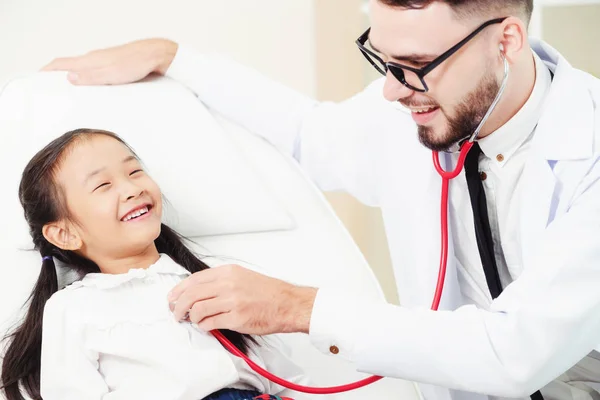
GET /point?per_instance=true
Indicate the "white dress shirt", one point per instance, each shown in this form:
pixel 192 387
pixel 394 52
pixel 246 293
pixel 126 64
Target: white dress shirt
pixel 114 337
pixel 504 154
pixel 366 147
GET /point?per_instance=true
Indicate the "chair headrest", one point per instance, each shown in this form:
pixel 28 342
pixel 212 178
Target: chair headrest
pixel 211 188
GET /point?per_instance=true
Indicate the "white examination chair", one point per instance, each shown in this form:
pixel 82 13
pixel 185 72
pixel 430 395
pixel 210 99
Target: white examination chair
pixel 234 194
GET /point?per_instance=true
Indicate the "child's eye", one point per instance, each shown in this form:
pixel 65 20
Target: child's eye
pixel 102 185
pixel 136 171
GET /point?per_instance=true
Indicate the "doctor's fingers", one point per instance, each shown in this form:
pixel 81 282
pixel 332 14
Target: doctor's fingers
pixel 70 63
pixel 208 308
pixel 95 60
pixel 115 65
pixel 219 274
pixel 193 294
pixel 109 75
pixel 219 321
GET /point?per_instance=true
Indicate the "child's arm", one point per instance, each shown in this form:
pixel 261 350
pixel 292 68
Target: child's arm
pixel 68 370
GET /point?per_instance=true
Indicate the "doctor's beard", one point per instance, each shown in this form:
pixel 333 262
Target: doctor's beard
pixel 467 116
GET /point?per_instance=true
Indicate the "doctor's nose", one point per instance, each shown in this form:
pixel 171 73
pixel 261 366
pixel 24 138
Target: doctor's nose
pixel 394 90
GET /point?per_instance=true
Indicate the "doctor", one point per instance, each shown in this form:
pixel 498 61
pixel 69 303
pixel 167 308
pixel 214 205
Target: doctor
pixel 521 306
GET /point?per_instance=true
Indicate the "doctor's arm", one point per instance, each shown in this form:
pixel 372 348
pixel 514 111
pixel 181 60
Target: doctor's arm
pixel 68 372
pixel 541 325
pixel 338 144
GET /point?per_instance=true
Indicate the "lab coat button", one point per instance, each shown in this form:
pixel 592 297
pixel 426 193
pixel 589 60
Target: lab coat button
pixel 500 157
pixel 483 176
pixel 334 350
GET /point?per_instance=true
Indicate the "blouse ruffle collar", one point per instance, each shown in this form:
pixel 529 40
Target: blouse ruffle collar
pixel 163 266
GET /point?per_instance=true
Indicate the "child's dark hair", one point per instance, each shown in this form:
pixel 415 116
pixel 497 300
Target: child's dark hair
pixel 43 202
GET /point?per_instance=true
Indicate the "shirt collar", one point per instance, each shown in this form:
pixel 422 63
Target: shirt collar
pixel 507 139
pixel 164 266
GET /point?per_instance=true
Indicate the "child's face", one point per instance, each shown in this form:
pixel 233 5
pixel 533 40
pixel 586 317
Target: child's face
pixel 103 183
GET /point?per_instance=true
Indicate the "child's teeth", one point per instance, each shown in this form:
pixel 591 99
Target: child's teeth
pixel 136 214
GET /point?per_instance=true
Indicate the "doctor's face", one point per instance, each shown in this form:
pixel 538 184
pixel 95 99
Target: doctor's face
pixel 461 89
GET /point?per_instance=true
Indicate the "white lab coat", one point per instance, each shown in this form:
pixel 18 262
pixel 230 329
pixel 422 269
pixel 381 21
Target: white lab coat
pixel 542 324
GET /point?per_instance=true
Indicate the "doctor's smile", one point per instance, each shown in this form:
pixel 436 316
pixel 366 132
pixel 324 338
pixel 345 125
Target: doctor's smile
pixel 494 250
pixel 422 114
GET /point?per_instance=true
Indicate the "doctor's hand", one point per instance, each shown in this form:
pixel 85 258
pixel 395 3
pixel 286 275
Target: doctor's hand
pixel 232 297
pixel 118 65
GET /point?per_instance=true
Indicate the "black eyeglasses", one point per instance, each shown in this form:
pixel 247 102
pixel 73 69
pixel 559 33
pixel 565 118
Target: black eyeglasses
pixel 414 78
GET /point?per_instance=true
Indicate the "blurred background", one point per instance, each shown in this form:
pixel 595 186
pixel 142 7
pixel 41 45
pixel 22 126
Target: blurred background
pixel 306 44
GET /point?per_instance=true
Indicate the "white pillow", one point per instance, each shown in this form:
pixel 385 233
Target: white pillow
pixel 211 187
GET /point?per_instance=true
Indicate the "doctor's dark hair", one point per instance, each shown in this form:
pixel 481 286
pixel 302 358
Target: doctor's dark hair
pixel 471 8
pixel 43 202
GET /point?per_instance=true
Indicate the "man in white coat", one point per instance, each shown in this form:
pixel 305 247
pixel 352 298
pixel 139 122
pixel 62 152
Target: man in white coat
pixel 521 306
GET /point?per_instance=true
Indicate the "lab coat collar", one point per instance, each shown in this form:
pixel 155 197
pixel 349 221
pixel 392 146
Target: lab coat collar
pixel 566 129
pixel 565 132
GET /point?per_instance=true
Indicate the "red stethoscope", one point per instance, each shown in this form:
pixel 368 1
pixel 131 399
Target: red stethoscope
pixel 446 177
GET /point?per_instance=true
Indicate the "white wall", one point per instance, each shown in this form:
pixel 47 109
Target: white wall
pixel 273 36
pixel 573 30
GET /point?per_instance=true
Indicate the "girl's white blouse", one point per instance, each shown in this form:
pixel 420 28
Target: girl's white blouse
pixel 114 337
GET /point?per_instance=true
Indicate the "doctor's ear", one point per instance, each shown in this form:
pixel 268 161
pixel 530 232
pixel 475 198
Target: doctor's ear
pixel 62 235
pixel 513 38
